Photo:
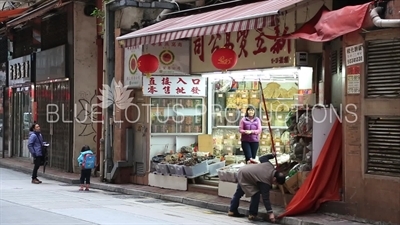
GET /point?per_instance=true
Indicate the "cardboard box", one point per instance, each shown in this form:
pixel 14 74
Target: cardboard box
pixel 301 176
pixel 205 143
pixel 292 184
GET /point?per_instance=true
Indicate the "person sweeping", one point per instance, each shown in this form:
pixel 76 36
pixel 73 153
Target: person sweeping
pixel 255 179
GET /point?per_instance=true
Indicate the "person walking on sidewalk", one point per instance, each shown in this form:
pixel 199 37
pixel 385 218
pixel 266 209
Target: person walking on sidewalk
pixel 35 146
pixel 86 161
pixel 256 179
pixel 250 128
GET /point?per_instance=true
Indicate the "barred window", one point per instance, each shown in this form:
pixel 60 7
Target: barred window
pixel 383 144
pixel 383 69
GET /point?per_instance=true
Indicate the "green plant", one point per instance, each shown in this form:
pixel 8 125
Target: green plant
pixel 100 14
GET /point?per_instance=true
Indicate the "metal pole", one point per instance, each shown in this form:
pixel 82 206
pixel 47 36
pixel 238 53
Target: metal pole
pixel 269 123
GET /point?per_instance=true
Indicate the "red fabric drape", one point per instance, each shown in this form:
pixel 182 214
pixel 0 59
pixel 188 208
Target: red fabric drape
pixel 325 179
pixel 6 14
pixel 327 25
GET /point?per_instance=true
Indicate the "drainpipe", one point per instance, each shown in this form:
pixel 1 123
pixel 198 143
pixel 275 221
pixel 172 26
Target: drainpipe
pixel 109 36
pixel 379 22
pixel 100 75
pixel 162 15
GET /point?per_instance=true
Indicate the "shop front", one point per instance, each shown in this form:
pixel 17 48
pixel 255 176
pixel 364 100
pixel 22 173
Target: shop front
pixel 269 69
pixel 177 111
pixel 21 104
pixel 53 104
pixel 267 65
pixel 3 78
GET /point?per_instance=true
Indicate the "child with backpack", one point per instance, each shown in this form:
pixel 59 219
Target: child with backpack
pixel 87 161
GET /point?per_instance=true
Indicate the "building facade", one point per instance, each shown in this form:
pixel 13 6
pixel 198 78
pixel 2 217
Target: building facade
pixel 50 81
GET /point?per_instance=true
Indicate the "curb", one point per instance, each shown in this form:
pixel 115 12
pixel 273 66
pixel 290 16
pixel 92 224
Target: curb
pixel 171 198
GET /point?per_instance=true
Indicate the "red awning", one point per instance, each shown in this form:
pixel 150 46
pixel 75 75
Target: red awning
pixel 37 12
pixel 8 14
pixel 244 17
pixel 327 25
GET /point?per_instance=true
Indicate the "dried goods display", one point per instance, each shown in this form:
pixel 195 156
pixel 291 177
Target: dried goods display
pixel 188 162
pixel 231 100
pixel 219 101
pixel 225 121
pixel 300 124
pixel 170 115
pixel 230 107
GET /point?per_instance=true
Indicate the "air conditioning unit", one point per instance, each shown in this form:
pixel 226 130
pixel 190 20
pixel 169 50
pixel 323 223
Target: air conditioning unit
pixel 301 58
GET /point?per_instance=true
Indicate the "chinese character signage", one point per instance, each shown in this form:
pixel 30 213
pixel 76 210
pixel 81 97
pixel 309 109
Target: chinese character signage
pixel 353 80
pixel 19 70
pixel 132 75
pixel 260 48
pixel 174 57
pixel 174 86
pixel 354 55
pixel 50 64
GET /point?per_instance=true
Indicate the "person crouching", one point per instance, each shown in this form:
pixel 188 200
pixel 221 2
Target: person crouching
pixel 86 161
pixel 255 180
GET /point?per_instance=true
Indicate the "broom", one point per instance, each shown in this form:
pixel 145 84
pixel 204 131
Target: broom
pixel 272 139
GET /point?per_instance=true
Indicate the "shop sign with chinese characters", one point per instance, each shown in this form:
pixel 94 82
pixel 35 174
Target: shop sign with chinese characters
pixel 354 54
pixel 260 48
pixel 174 86
pixel 173 56
pixel 132 75
pixel 19 70
pixel 353 80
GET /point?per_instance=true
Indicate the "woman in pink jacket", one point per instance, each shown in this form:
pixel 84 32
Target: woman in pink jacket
pixel 250 128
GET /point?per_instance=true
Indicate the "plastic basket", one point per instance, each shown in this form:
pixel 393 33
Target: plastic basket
pixel 212 168
pixel 180 170
pixel 196 170
pixel 172 168
pixel 162 168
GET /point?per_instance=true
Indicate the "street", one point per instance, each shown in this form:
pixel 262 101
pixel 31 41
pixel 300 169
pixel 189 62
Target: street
pixel 57 203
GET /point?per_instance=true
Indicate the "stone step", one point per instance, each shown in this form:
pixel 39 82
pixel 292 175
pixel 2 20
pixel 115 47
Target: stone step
pixel 211 182
pixel 202 188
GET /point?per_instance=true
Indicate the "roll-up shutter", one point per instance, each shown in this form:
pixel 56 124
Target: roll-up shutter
pixel 383 146
pixel 383 68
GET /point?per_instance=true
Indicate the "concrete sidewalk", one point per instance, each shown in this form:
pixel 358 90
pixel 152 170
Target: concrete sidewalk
pixel 190 198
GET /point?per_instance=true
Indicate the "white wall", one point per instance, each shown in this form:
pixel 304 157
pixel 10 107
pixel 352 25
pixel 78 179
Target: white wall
pixel 85 80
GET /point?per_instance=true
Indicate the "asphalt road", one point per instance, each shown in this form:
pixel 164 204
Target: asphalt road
pixel 57 203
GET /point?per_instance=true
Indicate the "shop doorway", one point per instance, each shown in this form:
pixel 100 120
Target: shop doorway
pixel 22 119
pixel 54 116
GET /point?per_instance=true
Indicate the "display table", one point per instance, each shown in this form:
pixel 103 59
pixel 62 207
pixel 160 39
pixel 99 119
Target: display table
pixel 227 189
pixel 168 182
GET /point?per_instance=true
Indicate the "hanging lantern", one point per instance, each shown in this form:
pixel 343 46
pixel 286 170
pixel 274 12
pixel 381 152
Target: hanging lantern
pixel 147 64
pixel 224 59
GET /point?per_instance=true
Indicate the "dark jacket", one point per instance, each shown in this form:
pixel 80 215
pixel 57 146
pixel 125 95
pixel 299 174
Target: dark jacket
pixel 254 178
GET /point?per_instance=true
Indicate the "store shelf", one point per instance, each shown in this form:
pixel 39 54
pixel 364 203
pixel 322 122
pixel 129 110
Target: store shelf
pixel 278 99
pixel 175 134
pixel 237 127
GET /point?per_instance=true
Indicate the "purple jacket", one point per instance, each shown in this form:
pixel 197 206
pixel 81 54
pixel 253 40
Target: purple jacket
pixel 34 144
pixel 253 125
